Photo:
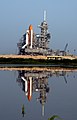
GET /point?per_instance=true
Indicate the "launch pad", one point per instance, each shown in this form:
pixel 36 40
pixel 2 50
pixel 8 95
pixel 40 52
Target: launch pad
pixel 35 44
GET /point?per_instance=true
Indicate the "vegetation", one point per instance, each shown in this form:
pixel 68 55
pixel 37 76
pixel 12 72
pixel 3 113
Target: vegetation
pixel 55 117
pixel 65 62
pixel 23 110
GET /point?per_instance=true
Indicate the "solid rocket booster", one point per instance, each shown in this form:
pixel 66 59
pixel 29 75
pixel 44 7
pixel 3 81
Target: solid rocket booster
pixel 27 39
pixel 26 86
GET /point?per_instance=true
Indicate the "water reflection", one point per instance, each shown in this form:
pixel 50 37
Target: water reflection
pixel 37 81
pixel 34 81
pixel 47 90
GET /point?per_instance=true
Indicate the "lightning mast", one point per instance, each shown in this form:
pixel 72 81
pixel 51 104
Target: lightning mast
pixel 44 15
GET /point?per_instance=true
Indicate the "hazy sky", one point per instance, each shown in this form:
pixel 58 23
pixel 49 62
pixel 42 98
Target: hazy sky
pixel 17 15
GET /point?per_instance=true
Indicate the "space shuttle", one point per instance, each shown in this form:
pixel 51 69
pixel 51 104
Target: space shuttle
pixel 29 38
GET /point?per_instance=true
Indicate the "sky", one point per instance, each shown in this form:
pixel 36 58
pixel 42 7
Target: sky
pixel 17 15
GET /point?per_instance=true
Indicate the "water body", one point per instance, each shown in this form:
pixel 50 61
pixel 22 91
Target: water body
pixel 38 95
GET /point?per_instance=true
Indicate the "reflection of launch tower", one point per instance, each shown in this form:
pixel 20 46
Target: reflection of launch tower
pixel 43 90
pixel 37 81
pixel 34 82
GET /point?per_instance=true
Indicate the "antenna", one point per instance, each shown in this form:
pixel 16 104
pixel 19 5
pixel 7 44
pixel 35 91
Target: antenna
pixel 44 15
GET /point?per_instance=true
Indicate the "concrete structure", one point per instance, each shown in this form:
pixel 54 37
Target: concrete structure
pixel 54 57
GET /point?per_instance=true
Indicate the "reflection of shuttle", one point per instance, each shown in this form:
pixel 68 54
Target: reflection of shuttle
pixel 28 87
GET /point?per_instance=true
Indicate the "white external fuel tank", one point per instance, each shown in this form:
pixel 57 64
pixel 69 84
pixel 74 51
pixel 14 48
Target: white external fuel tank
pixel 30 36
pixel 29 88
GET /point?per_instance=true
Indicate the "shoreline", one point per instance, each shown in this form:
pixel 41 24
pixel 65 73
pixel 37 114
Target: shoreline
pixel 23 60
pixel 37 68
